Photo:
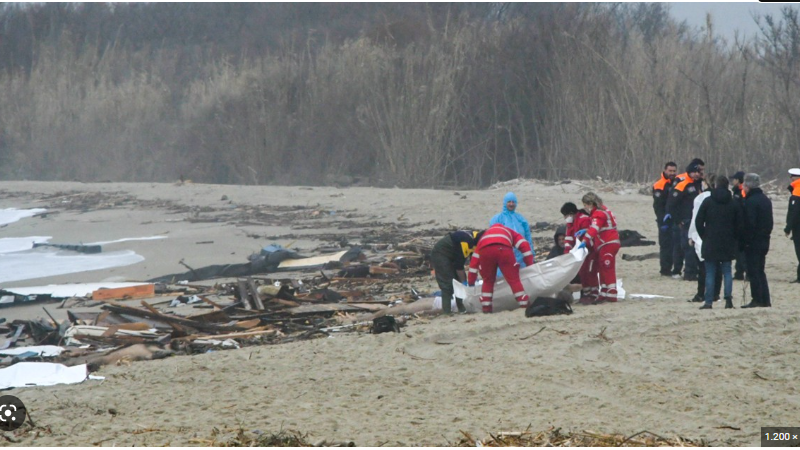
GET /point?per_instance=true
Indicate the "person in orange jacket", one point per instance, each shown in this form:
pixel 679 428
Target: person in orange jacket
pixel 660 195
pixel 792 228
pixel 603 238
pixel 495 248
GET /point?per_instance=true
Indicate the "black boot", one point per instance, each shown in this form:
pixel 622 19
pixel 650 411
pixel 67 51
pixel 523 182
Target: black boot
pixel 460 305
pixel 728 302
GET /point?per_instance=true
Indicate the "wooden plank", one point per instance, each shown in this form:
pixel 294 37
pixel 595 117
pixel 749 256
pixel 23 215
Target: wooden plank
pixel 254 292
pixel 228 336
pixel 215 305
pixel 129 310
pixel 243 295
pixel 383 270
pixel 310 262
pixel 247 324
pixel 139 291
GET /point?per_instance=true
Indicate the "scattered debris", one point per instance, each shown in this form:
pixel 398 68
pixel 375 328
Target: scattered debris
pixel 555 437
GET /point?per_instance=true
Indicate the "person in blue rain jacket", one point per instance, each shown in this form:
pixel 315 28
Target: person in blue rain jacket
pixel 514 220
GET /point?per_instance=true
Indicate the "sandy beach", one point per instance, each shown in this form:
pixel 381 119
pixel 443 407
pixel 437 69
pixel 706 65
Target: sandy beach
pixel 659 365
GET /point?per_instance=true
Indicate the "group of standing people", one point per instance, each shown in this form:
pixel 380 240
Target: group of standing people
pixel 705 223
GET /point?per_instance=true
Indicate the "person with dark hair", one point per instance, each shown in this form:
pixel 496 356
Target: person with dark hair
pixel 578 221
pixel 660 194
pixel 602 237
pixel 757 230
pixel 737 190
pixel 448 257
pixel 558 246
pixel 792 229
pixel 719 223
pixel 679 215
pixel 696 241
pixel 495 250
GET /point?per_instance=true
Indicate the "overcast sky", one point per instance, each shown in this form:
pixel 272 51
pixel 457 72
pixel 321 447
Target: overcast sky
pixel 727 17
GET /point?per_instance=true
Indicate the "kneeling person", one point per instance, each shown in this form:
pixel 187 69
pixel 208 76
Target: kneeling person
pixel 495 249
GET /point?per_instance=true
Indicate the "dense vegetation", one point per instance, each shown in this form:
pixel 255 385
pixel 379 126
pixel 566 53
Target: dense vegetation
pixel 393 94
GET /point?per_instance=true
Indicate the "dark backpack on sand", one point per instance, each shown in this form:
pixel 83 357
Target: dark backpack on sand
pixel 546 306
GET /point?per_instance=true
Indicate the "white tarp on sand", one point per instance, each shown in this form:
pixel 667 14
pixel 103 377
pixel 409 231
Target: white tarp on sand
pixel 27 374
pixel 41 350
pixel 542 279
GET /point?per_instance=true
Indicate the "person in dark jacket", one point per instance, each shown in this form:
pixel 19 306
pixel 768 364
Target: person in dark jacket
pixel 558 247
pixel 448 257
pixel 679 215
pixel 737 189
pixel 793 216
pixel 719 222
pixel 757 229
pixel 660 194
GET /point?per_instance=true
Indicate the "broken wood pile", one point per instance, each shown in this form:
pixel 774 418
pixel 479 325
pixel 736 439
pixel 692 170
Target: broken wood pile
pixel 246 311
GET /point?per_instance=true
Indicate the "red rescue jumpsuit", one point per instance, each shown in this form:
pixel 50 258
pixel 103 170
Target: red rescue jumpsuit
pixel 496 249
pixel 589 283
pixel 603 239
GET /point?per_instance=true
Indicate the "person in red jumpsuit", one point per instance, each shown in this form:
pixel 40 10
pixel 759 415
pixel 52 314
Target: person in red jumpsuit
pixel 495 248
pixel 578 222
pixel 603 240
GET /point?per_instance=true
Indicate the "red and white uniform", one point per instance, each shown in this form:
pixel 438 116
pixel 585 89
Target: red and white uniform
pixel 580 221
pixel 496 249
pixel 603 240
pixel 589 284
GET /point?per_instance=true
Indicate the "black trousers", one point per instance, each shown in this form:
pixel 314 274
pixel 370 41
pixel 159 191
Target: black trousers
pixel 759 288
pixel 796 240
pixel 665 250
pixel 740 267
pixel 445 274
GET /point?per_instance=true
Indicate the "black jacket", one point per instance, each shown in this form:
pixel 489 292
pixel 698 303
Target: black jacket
pixel 457 247
pixel 793 214
pixel 681 199
pixel 720 223
pixel 757 221
pixel 660 194
pixel 557 250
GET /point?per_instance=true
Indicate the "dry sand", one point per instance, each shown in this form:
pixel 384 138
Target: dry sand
pixel 658 365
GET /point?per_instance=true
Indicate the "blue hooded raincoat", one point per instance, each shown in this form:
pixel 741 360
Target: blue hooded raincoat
pixel 516 222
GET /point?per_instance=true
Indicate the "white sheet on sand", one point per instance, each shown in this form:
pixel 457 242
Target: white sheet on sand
pixel 11 215
pixel 542 279
pixel 27 374
pixel 41 350
pixel 69 290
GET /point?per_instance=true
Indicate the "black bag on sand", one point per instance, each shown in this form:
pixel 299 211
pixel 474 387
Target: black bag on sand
pixel 385 324
pixel 546 306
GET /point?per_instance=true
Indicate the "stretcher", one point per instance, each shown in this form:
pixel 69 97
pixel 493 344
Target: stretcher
pixel 543 279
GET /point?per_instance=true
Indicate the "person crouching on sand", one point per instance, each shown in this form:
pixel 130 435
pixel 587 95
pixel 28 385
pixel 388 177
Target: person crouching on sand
pixel 495 249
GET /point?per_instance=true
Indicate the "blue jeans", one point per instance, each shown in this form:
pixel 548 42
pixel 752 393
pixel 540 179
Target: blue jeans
pixel 711 274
